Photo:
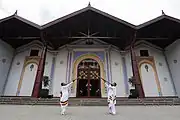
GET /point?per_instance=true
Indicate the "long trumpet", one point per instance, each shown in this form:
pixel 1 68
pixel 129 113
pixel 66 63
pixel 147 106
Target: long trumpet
pixel 102 78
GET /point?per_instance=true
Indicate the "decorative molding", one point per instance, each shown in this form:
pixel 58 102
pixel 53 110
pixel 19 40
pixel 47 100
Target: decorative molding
pixel 116 63
pixel 18 63
pixel 160 64
pixel 61 62
pixel 145 43
pixel 146 67
pixel 101 45
pixel 165 79
pixel 31 67
pixel 4 60
pixel 91 56
pixel 34 44
pixel 175 61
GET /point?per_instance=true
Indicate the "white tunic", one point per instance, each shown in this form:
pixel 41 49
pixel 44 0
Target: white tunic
pixel 65 92
pixel 111 94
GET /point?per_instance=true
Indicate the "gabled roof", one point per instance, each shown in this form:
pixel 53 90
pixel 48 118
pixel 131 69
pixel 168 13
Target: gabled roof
pixel 163 30
pixel 90 20
pixel 88 8
pixel 15 16
pixel 14 29
pixel 163 16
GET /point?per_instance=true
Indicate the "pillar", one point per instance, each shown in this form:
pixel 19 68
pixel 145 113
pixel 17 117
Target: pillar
pixel 52 73
pixel 138 84
pixel 39 73
pixel 125 73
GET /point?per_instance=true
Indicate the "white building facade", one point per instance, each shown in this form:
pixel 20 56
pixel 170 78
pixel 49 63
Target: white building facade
pixel 158 68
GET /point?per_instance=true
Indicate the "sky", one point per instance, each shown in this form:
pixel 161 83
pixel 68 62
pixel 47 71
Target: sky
pixel 133 11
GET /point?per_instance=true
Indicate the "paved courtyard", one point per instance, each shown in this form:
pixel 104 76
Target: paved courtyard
pixel 27 112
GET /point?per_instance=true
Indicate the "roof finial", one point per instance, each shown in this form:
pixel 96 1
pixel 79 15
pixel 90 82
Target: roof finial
pixel 163 12
pixel 15 13
pixel 89 5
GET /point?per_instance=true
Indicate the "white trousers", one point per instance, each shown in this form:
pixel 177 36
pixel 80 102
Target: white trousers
pixel 63 109
pixel 112 109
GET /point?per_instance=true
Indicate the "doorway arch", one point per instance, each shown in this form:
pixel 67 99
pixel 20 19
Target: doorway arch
pixel 149 78
pixel 75 72
pixel 88 84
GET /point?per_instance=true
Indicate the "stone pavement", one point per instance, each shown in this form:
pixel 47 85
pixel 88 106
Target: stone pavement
pixel 27 112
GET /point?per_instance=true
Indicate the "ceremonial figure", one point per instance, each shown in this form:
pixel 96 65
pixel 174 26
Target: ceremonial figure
pixel 111 97
pixel 64 96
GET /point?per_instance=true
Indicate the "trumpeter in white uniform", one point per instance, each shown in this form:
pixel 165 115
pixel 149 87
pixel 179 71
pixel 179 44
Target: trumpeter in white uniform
pixel 111 97
pixel 64 96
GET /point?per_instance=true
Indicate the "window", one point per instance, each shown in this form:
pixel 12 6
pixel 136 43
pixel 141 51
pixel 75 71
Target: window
pixel 144 53
pixel 34 52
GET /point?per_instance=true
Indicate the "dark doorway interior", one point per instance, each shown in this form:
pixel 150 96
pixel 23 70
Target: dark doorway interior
pixel 88 83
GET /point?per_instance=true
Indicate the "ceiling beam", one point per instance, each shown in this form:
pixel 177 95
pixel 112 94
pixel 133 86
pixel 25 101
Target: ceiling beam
pixel 21 38
pixel 160 38
pixel 97 37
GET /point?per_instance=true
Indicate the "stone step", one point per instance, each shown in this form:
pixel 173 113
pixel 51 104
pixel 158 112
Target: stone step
pixel 88 102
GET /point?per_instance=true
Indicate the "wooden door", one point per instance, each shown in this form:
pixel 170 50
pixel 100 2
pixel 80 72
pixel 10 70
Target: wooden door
pixel 88 84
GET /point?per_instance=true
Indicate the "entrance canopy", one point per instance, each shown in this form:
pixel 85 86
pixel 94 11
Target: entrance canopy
pixel 89 23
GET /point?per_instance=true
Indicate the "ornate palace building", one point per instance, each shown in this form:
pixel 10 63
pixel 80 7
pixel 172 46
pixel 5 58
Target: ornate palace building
pixel 89 45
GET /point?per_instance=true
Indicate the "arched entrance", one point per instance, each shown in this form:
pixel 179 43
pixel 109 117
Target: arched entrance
pixel 149 78
pixel 88 85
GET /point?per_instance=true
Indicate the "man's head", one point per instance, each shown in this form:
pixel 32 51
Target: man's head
pixel 63 84
pixel 114 84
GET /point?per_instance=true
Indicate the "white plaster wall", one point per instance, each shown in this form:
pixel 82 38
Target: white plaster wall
pixel 15 73
pixel 60 71
pixel 148 80
pixel 6 52
pixel 173 53
pixel 28 80
pixel 162 71
pixel 117 72
pixel 16 70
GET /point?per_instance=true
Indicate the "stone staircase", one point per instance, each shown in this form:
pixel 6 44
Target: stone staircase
pixel 88 101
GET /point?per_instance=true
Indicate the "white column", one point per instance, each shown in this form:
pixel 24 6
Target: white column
pixel 110 68
pixel 69 65
pixel 125 76
pixel 52 73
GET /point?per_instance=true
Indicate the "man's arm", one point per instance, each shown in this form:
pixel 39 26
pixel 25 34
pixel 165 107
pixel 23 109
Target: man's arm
pixel 108 85
pixel 114 93
pixel 70 83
